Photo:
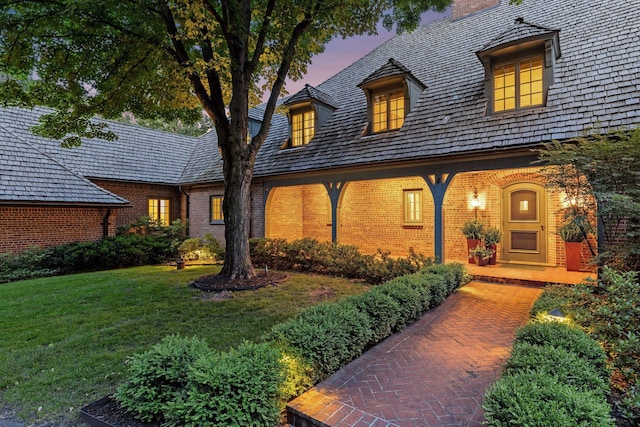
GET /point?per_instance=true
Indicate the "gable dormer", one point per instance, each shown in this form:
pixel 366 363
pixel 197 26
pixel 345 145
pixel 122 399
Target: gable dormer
pixel 309 109
pixel 519 66
pixel 392 92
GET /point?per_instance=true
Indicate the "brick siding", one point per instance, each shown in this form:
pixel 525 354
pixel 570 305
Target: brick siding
pixel 25 227
pixel 139 195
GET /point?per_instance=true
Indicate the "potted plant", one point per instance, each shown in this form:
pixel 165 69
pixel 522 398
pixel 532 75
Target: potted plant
pixel 573 235
pixel 473 230
pixel 492 236
pixel 481 254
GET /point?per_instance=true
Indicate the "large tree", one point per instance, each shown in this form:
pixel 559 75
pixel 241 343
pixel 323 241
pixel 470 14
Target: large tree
pixel 173 59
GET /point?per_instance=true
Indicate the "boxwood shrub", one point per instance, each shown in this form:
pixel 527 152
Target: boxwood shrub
pixel 535 399
pixel 565 366
pixel 180 381
pixel 570 338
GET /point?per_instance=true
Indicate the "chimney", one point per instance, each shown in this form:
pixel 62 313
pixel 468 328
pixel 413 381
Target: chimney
pixel 462 8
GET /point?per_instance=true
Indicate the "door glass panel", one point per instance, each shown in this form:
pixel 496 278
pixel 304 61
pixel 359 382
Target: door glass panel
pixel 524 206
pixel 524 240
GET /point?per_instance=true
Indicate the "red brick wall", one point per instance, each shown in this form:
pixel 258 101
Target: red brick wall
pixel 461 8
pixel 139 195
pixel 372 217
pixel 200 214
pixel 24 227
pixel 299 211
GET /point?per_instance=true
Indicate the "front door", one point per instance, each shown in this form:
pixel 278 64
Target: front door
pixel 524 220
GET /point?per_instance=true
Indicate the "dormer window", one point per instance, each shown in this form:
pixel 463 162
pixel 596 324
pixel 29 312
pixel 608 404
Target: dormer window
pixel 519 66
pixel 308 110
pixel 388 110
pixel 302 127
pixel 391 91
pixel 518 84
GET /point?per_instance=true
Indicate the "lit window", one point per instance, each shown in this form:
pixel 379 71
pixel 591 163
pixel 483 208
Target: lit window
pixel 302 128
pixel 518 84
pixel 160 211
pixel 388 111
pixel 216 209
pixel 413 206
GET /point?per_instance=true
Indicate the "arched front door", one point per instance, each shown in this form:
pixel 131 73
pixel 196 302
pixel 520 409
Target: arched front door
pixel 524 214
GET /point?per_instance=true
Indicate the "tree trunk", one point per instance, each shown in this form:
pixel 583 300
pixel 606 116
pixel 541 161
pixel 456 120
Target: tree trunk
pixel 237 219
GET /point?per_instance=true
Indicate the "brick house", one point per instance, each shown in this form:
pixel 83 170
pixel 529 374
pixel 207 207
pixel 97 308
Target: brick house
pixel 398 149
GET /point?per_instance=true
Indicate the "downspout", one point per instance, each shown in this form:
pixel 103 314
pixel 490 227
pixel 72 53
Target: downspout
pixel 105 224
pixel 188 202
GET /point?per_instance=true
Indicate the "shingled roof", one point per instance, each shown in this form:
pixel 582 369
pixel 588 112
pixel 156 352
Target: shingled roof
pixel 596 82
pixel 391 69
pixel 28 176
pixel 309 93
pixel 520 31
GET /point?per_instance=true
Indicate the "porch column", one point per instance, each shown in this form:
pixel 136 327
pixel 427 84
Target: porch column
pixel 334 189
pixel 438 184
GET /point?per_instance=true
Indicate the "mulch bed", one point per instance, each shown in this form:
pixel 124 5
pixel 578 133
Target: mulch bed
pixel 217 283
pixel 106 412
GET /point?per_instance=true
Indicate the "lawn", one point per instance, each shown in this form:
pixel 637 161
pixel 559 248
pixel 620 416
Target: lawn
pixel 65 339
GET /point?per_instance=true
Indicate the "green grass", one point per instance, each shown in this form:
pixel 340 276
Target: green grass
pixel 65 340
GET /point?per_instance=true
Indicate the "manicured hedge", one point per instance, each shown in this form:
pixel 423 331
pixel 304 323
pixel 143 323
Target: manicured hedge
pixel 181 382
pixel 310 256
pixel 555 376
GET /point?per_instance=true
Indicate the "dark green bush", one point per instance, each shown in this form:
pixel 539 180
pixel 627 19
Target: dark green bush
pixel 533 399
pixel 327 335
pixel 160 376
pixel 567 337
pixel 557 296
pixel 238 388
pixel 382 310
pixel 409 299
pixel 309 255
pixel 562 364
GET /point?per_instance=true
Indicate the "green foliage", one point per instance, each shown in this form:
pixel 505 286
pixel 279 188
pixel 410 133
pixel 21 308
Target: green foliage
pixel 159 376
pixel 567 337
pixel 383 312
pixel 564 365
pixel 328 335
pixel 534 399
pixel 612 317
pixel 309 255
pixel 207 248
pixel 602 168
pixel 238 388
pixel 473 229
pixel 572 231
pixel 28 264
pixel 556 296
pixel 492 236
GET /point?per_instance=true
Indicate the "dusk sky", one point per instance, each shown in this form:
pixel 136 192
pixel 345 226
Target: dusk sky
pixel 340 53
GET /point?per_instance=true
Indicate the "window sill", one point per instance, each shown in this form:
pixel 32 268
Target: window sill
pixel 413 226
pixel 216 222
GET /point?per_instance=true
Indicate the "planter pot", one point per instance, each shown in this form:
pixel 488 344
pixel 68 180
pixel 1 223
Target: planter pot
pixel 180 264
pixel 572 252
pixel 492 260
pixel 481 261
pixel 471 244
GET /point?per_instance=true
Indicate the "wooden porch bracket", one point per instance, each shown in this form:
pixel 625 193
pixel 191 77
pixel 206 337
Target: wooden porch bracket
pixel 334 189
pixel 438 184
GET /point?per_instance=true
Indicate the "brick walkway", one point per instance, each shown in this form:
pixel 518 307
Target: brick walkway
pixel 432 374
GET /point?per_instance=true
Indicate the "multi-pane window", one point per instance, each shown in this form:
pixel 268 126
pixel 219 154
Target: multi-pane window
pixel 388 111
pixel 518 84
pixel 160 211
pixel 216 209
pixel 302 127
pixel 413 206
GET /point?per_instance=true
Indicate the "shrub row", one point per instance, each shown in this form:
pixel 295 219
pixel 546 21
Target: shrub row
pixel 609 309
pixel 125 250
pixel 311 256
pixel 556 376
pixel 181 382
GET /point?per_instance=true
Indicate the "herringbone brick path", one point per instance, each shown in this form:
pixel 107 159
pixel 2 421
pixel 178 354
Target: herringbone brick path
pixel 432 374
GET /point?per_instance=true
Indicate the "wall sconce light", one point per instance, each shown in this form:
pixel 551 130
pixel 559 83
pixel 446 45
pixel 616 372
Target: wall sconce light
pixel 475 203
